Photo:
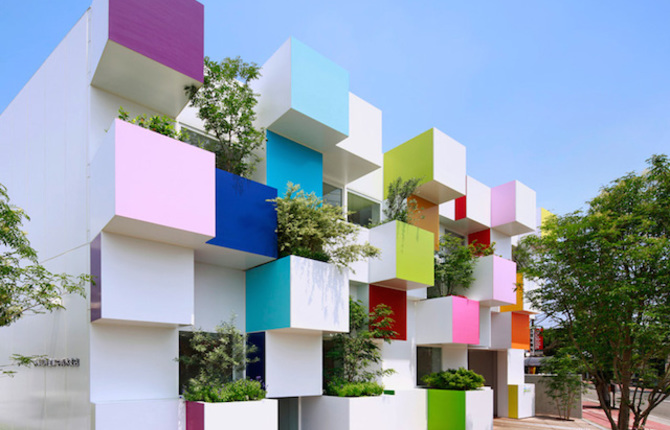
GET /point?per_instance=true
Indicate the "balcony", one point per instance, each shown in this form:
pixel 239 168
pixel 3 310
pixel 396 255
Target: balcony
pixel 148 51
pixel 495 281
pixel 406 260
pixel 510 330
pixel 513 209
pixel 447 320
pixel 435 158
pixel 470 213
pixel 135 191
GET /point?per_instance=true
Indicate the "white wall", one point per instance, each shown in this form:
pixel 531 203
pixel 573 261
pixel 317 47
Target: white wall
pixel 400 355
pixel 293 364
pixel 219 294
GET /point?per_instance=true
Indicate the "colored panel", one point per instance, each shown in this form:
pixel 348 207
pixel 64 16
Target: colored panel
pixel 147 188
pixel 461 208
pixel 256 367
pixel 268 296
pixel 513 401
pixel 245 220
pixel 520 331
pixel 412 159
pixel 397 301
pixel 466 320
pixel 288 161
pixel 504 280
pixel 544 217
pixel 446 410
pixel 319 87
pixel 483 237
pixel 414 254
pixel 96 274
pixel 195 416
pixel 503 204
pixel 428 218
pixel 170 32
pixel 519 296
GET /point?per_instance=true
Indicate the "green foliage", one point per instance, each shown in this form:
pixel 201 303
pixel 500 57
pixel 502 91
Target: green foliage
pixel 226 103
pixel 354 389
pixel 159 123
pixel 398 205
pixel 453 379
pixel 605 273
pixel 26 287
pixel 357 353
pixel 455 264
pixel 217 357
pixel 241 390
pixel 307 227
pixel 565 383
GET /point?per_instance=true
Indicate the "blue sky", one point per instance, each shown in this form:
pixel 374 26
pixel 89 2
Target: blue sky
pixel 563 95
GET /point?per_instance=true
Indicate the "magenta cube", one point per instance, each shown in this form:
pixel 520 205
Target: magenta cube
pixel 147 185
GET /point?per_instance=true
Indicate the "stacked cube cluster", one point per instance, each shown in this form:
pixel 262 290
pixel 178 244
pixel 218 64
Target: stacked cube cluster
pixel 174 243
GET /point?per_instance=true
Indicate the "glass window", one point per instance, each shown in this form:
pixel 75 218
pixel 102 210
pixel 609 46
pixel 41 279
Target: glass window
pixel 365 211
pixel 332 195
pixel 428 360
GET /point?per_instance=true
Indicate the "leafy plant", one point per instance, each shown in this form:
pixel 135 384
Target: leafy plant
pixel 455 264
pixel 241 390
pixel 398 205
pixel 356 353
pixel 455 379
pixel 159 123
pixel 565 384
pixel 26 287
pixel 307 227
pixel 354 389
pixel 217 358
pixel 226 103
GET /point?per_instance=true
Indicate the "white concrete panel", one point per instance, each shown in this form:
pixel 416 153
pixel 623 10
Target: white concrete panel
pixel 434 321
pixel 147 282
pixel 384 237
pixel 484 327
pixel 133 363
pixel 360 270
pixel 501 330
pixel 137 415
pixel 252 415
pixel 478 202
pixel 449 162
pixel 319 296
pixel 526 401
pixel 503 245
pixel 371 185
pixel 274 86
pixel 365 130
pixel 219 295
pixel 293 364
pixel 454 356
pixel 99 19
pixel 400 355
pixel 515 368
pixel 479 409
pixel 526 205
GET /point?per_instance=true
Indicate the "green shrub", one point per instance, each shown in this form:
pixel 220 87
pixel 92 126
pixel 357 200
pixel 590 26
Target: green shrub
pixel 354 389
pixel 455 265
pixel 159 123
pixel 309 228
pixel 452 379
pixel 398 206
pixel 238 391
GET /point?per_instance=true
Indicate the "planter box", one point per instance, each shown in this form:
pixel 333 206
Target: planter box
pixel 246 224
pixel 446 320
pixel 460 410
pixel 521 401
pixel 435 158
pixel 297 293
pixel 252 415
pixel 513 209
pixel 136 415
pixel 143 56
pixel 495 281
pixel 406 260
pixel 135 191
pixel 304 97
pixel 402 411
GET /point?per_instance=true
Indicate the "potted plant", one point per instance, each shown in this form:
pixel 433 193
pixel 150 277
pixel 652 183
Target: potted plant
pixel 458 400
pixel 217 395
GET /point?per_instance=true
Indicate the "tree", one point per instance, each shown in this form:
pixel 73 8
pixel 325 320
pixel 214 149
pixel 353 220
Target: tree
pixel 26 287
pixel 565 383
pixel 455 264
pixel 226 104
pixel 309 228
pixel 399 206
pixel 605 278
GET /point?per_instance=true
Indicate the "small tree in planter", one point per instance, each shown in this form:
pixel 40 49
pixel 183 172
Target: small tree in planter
pixel 357 354
pixel 399 204
pixel 455 264
pixel 307 227
pixel 218 360
pixel 564 384
pixel 454 379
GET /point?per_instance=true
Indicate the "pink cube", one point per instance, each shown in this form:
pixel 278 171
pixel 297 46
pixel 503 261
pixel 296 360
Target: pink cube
pixel 447 320
pixel 513 208
pixel 495 281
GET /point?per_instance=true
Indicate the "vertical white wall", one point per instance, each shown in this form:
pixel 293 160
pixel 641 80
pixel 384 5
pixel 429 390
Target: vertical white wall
pixel 220 293
pixel 503 242
pixel 293 363
pixel 400 355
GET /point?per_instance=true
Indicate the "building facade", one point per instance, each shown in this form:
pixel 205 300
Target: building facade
pixel 174 243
